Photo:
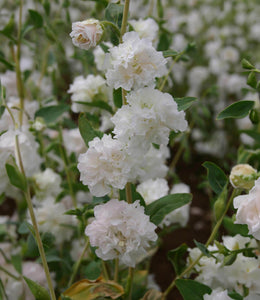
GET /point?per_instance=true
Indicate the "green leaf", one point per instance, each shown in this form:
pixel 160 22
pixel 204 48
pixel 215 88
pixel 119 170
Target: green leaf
pixel 216 177
pixel 229 259
pixel 39 292
pixel 16 177
pixel 203 249
pixel 17 263
pixel 234 295
pixel 170 53
pixel 99 104
pixel 114 13
pixel 9 65
pixel 236 110
pixel 246 64
pixel 2 110
pixel 87 132
pixel 160 9
pixel 176 258
pixel 9 27
pixel 158 209
pixel 191 289
pixel 24 228
pixel 185 102
pixel 117 97
pixel 164 42
pixel 93 270
pixel 35 18
pixel 234 229
pixel 251 80
pixel 50 114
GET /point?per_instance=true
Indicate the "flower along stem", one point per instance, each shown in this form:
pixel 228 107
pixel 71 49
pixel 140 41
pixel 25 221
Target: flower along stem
pixel 34 222
pixel 209 241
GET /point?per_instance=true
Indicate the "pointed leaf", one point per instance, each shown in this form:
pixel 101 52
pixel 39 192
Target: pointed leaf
pixel 185 102
pixel 35 18
pixel 238 109
pixel 203 249
pixel 216 177
pixel 50 114
pixel 170 53
pixel 16 177
pixel 191 289
pixel 246 64
pixel 39 292
pixel 158 209
pixel 87 132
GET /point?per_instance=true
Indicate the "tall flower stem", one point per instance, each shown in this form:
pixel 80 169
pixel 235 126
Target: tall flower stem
pixel 129 284
pixel 19 81
pixel 209 241
pixel 78 263
pixel 124 21
pixel 116 269
pixel 34 222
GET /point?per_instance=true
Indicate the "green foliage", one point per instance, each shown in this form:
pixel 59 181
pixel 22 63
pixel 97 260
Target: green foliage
pixel 51 113
pixel 216 177
pixel 158 209
pixel 16 178
pixel 234 229
pixel 117 97
pixel 39 292
pixel 114 13
pixel 203 249
pixel 191 289
pixel 93 270
pixel 247 65
pixel 99 104
pixel 87 132
pixel 251 80
pixel 185 102
pixel 176 257
pixel 35 18
pixel 238 109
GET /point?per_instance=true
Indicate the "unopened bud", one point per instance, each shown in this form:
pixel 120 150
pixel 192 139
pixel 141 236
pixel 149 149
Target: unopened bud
pixel 243 176
pixel 39 124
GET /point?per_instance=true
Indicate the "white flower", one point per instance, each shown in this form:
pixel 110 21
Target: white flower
pixel 230 54
pixel 121 230
pixel 51 218
pixel 153 189
pixel 181 214
pixel 248 210
pixel 146 29
pixel 100 56
pixel 217 294
pixel 148 118
pixel 73 141
pixel 135 63
pixel 86 34
pixel 243 176
pixel 87 90
pixel 103 166
pixel 47 183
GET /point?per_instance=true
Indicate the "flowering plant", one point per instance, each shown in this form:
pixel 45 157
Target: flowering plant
pixel 105 127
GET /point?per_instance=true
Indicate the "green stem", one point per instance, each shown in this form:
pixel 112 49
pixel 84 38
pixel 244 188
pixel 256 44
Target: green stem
pixel 105 273
pixel 124 21
pixel 209 241
pixel 9 273
pixel 65 160
pixel 34 222
pixel 116 269
pixel 129 284
pixel 78 263
pixel 19 80
pixel 170 69
pixel 128 192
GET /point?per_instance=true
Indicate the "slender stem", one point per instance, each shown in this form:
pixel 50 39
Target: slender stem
pixel 105 273
pixel 65 160
pixel 124 21
pixel 128 192
pixel 9 273
pixel 209 241
pixel 129 284
pixel 116 269
pixel 34 222
pixel 176 158
pixel 170 69
pixel 19 80
pixel 78 263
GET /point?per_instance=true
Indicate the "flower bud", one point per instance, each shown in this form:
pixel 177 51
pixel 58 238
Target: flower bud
pixel 86 34
pixel 243 176
pixel 39 124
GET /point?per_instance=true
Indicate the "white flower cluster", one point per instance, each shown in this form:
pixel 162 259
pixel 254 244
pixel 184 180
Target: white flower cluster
pixel 121 230
pixel 244 271
pixel 134 64
pixel 248 210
